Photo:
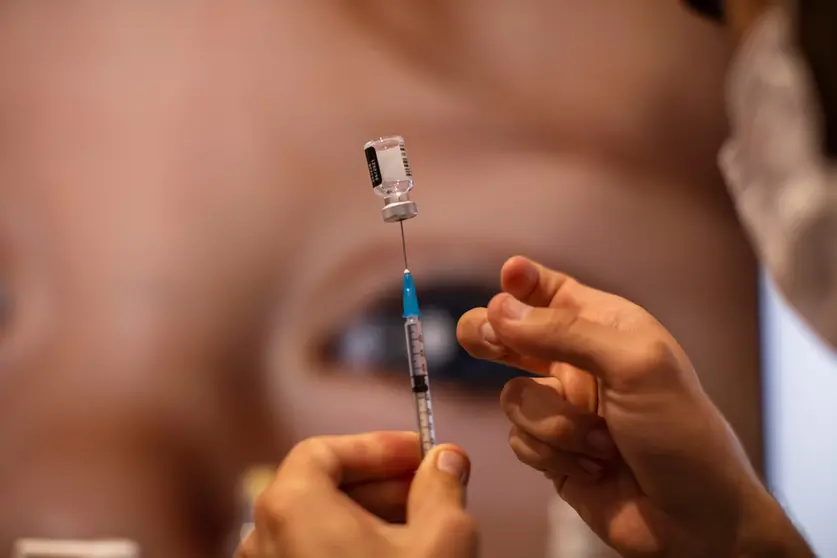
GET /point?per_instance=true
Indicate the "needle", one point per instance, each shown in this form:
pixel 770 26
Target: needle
pixel 403 245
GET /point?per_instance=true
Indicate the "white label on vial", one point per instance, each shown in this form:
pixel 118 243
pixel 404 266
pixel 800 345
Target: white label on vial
pixel 394 164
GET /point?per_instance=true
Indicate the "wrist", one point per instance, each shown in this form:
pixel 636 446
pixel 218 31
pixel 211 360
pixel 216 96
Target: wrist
pixel 767 532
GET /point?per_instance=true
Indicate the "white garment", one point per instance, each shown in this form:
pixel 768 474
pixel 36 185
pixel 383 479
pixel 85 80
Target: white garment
pixel 784 187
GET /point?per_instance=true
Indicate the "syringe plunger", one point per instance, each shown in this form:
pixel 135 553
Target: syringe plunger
pixel 392 178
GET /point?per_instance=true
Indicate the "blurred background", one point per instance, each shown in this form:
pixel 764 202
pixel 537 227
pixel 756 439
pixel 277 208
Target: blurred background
pixel 183 189
pixel 800 376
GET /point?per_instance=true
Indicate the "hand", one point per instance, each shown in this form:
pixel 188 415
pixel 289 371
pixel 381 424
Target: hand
pixel 618 421
pixel 335 496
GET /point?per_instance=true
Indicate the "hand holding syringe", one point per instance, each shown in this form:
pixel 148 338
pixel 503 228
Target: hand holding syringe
pixel 392 179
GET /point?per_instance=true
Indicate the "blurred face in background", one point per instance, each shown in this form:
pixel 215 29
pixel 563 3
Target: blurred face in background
pixel 186 168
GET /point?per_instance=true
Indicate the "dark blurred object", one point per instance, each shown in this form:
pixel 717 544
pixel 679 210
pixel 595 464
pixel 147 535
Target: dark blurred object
pixel 816 23
pixel 713 9
pixel 375 342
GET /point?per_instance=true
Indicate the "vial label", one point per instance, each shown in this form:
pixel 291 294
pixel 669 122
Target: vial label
pixel 374 166
pixel 404 160
pixel 394 165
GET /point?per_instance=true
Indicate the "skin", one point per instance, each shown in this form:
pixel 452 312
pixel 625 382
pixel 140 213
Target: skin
pixel 173 227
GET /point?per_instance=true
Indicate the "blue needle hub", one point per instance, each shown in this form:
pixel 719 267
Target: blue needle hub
pixel 411 305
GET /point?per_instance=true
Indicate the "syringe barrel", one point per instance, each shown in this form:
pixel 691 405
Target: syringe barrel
pixel 420 383
pixel 424 413
pixel 415 349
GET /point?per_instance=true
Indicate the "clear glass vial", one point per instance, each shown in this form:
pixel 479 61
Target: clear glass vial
pixel 392 177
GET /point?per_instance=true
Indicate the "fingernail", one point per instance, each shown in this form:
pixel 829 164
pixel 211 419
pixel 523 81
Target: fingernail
pixel 590 466
pixel 601 441
pixel 453 463
pixel 513 309
pixel 488 333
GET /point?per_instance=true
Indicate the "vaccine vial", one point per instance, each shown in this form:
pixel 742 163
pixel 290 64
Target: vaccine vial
pixel 392 177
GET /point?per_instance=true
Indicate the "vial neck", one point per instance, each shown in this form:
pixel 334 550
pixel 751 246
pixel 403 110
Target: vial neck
pixel 396 197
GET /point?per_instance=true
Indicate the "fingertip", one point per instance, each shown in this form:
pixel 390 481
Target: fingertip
pixel 480 339
pixel 504 310
pixel 488 334
pixel 477 336
pixel 447 446
pixel 522 391
pixel 494 311
pixel 519 276
pixel 496 314
pixel 452 460
pixel 514 262
pixel 469 324
pixel 511 395
pixel 439 483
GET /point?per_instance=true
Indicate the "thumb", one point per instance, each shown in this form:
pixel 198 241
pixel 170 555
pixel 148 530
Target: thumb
pixel 439 484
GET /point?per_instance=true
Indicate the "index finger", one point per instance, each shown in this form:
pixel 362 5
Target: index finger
pixel 537 285
pixel 477 337
pixel 532 284
pixel 357 458
pixel 306 489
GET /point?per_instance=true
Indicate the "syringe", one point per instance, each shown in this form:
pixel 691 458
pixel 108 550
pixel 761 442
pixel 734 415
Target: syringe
pixel 418 364
pixel 392 179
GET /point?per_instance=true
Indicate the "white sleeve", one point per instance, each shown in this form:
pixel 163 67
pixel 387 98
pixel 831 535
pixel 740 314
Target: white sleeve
pixel 783 187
